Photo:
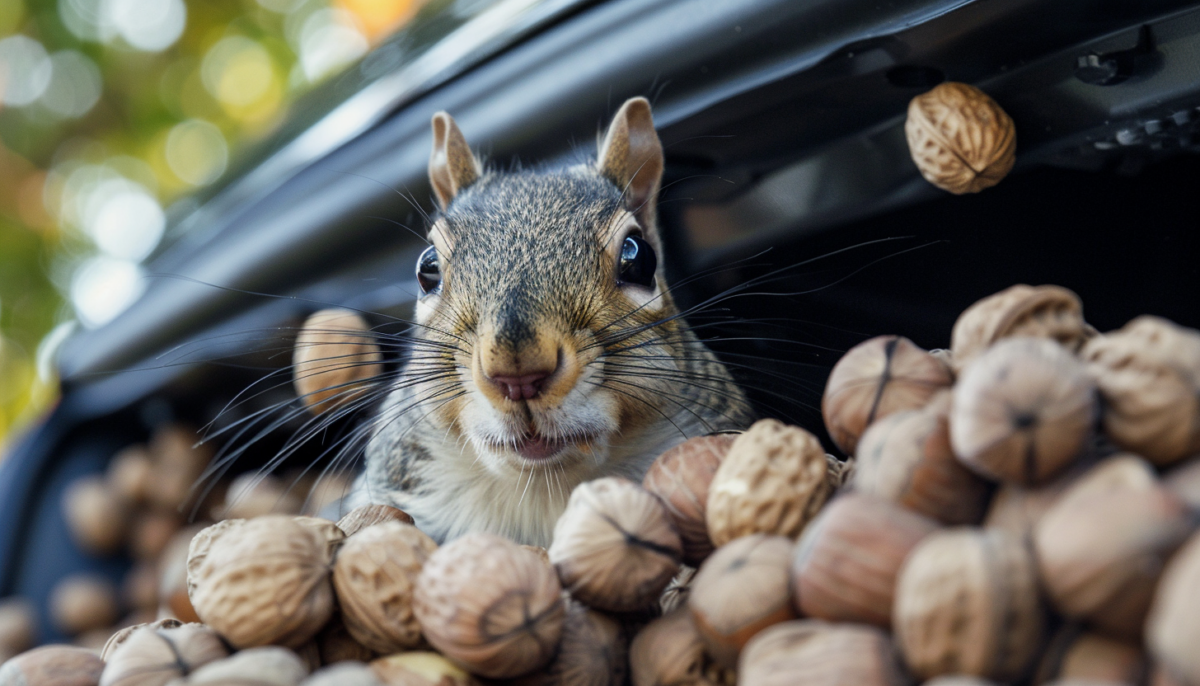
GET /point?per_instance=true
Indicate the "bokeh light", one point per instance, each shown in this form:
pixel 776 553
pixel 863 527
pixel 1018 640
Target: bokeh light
pixel 25 70
pixel 103 287
pixel 74 86
pixel 148 25
pixel 196 152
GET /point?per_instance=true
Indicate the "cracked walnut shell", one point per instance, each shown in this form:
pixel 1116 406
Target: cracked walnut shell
pixel 263 581
pixel 615 547
pixel 374 577
pixel 491 606
pixel 773 481
pixel 1021 310
pixel 959 138
pixel 1149 375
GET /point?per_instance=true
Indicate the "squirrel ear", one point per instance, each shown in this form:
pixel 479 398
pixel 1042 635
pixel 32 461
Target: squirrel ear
pixel 452 167
pixel 631 156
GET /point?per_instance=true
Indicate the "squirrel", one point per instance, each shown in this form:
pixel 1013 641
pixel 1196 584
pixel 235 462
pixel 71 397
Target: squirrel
pixel 549 350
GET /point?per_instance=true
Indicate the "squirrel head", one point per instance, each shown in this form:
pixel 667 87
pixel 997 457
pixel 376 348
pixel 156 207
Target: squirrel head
pixel 543 306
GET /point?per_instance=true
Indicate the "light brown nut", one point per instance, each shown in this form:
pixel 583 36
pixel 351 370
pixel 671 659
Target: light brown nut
pixel 419 668
pixel 1017 509
pixel 845 565
pixel 1022 411
pixel 1172 632
pixel 255 495
pixel 825 654
pixel 96 517
pixel 130 474
pixel 121 635
pixel 348 674
pixel 741 589
pixel 53 665
pixel 967 603
pixel 18 626
pixel 179 460
pixel 335 644
pixel 374 578
pixel 676 592
pixel 1074 654
pixel 875 378
pixel 82 602
pixel 593 652
pixel 959 138
pixel 1021 310
pixel 264 581
pixel 154 654
pixel 681 477
pixel 668 651
pixel 263 666
pixel 152 531
pixel 369 515
pixel 958 680
pixel 773 481
pixel 173 576
pixel 490 606
pixel 615 547
pixel 336 354
pixel 906 458
pixel 1149 375
pixel 1184 481
pixel 1102 546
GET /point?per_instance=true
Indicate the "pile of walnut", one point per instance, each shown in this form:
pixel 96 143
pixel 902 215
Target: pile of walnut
pixel 1021 509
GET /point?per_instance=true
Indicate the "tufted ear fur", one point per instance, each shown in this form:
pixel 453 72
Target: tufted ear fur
pixel 452 167
pixel 631 156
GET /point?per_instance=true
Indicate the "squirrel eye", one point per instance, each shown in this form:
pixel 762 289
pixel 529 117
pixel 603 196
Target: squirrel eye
pixel 429 271
pixel 638 262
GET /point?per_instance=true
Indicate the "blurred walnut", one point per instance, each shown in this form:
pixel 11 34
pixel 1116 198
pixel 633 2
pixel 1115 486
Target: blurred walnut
pixel 335 355
pixel 490 606
pixel 875 378
pixel 347 674
pixel 960 139
pixel 420 668
pixel 967 602
pixel 1184 481
pixel 155 654
pixel 335 644
pixel 592 652
pixel 264 666
pixel 1033 311
pixel 1149 375
pixel 676 593
pixel 846 563
pixel 172 567
pixel 130 474
pixel 1074 654
pixel 374 578
pixel 681 478
pixel 121 635
pixel 152 531
pixel 1023 410
pixel 615 547
pixel 263 581
pixel 179 460
pixel 774 480
pixel 739 591
pixel 254 495
pixel 1172 632
pixel 1016 508
pixel 96 517
pixel 817 653
pixel 668 652
pixel 53 665
pixel 18 626
pixel 82 602
pixel 369 515
pixel 906 458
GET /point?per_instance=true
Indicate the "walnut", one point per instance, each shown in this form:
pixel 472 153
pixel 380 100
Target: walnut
pixel 374 576
pixel 676 593
pixel 420 669
pixel 18 626
pixel 960 139
pixel 967 602
pixel 335 644
pixel 668 652
pixel 179 462
pixel 490 606
pixel 356 674
pixel 262 581
pixel 773 481
pixel 96 517
pixel 1017 509
pixel 875 378
pixel 172 565
pixel 1074 654
pixel 846 563
pixel 130 474
pixel 1172 632
pixel 1149 375
pixel 1184 481
pixel 825 654
pixel 254 495
pixel 906 458
pixel 152 531
pixel 153 655
pixel 1034 311
pixel 369 515
pixel 681 478
pixel 614 546
pixel 264 666
pixel 739 591
pixel 82 602
pixel 592 652
pixel 121 635
pixel 1101 547
pixel 335 355
pixel 1022 411
pixel 53 665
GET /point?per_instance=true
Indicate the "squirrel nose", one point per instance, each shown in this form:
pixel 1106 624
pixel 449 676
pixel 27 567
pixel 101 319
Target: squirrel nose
pixel 525 387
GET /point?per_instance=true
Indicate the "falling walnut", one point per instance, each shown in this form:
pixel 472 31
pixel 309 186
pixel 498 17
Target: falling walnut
pixel 961 140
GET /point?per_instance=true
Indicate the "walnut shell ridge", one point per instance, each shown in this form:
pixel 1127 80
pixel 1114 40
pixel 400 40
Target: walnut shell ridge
pixel 1037 311
pixel 959 138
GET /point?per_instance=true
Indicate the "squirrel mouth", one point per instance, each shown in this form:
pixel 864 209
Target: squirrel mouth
pixel 537 448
